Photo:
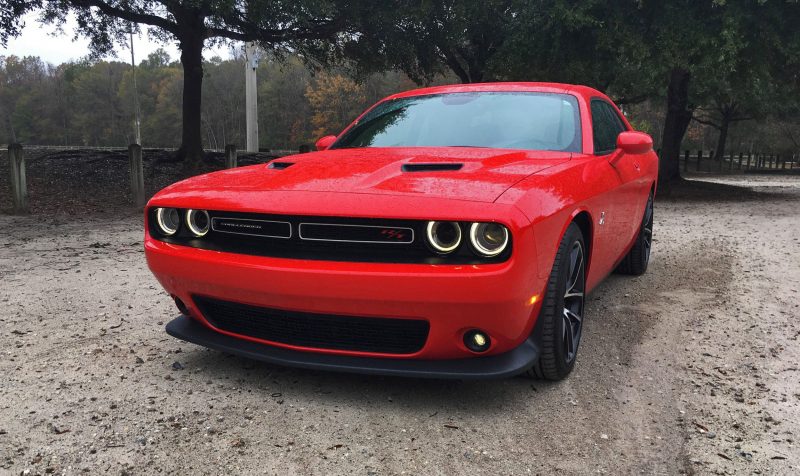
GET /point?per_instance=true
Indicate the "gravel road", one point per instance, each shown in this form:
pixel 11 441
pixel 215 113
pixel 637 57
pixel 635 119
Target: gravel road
pixel 692 368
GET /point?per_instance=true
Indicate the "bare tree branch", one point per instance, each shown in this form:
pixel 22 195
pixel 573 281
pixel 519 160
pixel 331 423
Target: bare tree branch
pixel 128 15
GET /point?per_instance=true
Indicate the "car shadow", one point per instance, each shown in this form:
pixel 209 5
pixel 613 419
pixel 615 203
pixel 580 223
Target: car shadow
pixel 306 387
pixel 603 345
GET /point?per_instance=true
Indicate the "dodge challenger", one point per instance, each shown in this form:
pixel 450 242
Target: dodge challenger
pixel 448 232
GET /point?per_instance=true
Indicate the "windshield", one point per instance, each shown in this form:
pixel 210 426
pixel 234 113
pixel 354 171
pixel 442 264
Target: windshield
pixel 503 120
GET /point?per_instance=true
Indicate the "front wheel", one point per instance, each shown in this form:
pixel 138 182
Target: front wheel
pixel 561 316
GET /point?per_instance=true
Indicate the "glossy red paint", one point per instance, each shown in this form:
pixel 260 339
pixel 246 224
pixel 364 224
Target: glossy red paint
pixel 632 142
pixel 535 194
pixel 325 142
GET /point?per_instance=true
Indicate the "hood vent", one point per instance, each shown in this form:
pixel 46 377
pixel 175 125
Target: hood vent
pixel 280 165
pixel 434 167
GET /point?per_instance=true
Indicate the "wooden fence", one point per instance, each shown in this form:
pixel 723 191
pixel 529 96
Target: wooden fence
pixel 19 186
pixel 694 162
pixel 701 161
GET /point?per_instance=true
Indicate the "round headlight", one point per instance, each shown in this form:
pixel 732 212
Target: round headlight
pixel 168 220
pixel 444 236
pixel 488 239
pixel 198 222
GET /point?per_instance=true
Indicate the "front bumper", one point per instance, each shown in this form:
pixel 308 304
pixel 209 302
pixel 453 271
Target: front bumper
pixel 502 300
pixel 503 365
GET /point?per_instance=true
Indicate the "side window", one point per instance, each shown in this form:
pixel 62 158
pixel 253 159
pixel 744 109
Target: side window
pixel 606 126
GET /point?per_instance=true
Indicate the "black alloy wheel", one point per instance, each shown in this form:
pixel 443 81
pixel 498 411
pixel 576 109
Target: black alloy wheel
pixel 636 261
pixel 562 314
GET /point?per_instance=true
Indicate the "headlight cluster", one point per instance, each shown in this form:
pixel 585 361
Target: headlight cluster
pixel 486 239
pixel 169 221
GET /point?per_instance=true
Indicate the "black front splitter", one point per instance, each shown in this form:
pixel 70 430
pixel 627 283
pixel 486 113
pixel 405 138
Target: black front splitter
pixel 504 365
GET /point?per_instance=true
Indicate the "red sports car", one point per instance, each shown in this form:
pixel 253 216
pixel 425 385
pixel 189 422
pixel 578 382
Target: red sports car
pixel 448 232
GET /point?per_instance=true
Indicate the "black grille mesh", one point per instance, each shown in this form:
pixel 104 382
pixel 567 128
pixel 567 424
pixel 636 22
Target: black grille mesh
pixel 320 331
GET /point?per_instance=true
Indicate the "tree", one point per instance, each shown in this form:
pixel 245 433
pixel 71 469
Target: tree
pixel 427 38
pixel 276 24
pixel 753 78
pixel 11 13
pixel 284 111
pixel 335 101
pixel 713 52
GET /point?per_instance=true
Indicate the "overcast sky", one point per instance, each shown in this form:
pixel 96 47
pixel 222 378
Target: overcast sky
pixel 46 43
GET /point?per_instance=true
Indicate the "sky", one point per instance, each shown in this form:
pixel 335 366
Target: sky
pixel 53 47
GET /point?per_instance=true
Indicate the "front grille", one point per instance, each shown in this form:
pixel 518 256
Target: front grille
pixel 356 233
pixel 319 331
pixel 245 226
pixel 371 240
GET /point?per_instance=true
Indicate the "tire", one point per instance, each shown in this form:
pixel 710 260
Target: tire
pixel 560 322
pixel 636 261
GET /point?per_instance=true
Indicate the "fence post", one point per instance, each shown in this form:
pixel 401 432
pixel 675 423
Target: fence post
pixel 231 158
pixel 771 156
pixel 686 161
pixel 739 165
pixel 19 184
pixel 749 156
pixel 783 164
pixel 699 158
pixel 137 174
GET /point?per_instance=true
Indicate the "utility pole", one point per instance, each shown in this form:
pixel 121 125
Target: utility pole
pixel 251 100
pixel 136 111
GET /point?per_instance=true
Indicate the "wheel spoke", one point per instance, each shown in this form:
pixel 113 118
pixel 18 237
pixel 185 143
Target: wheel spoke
pixel 574 319
pixel 569 339
pixel 575 268
pixel 573 294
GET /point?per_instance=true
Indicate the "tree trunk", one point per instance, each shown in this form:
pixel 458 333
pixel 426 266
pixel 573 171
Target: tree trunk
pixel 675 124
pixel 724 125
pixel 191 46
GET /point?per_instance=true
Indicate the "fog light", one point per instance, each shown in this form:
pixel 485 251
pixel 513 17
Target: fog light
pixel 477 341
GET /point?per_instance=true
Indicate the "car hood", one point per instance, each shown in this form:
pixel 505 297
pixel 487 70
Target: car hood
pixel 474 174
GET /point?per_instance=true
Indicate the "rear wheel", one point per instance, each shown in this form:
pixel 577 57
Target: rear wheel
pixel 637 259
pixel 561 316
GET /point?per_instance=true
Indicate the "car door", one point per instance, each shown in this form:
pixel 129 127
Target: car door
pixel 634 189
pixel 614 223
pixel 605 204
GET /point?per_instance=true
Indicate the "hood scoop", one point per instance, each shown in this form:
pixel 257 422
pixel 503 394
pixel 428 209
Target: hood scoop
pixel 432 167
pixel 280 165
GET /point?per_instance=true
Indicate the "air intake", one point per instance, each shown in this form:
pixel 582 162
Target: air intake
pixel 431 167
pixel 280 165
pixel 319 331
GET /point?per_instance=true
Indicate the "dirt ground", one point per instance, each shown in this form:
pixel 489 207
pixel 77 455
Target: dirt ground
pixel 692 368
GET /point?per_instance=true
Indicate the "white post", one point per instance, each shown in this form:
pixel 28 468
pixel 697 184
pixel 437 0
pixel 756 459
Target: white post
pixel 251 101
pixel 137 174
pixel 136 112
pixel 231 160
pixel 19 186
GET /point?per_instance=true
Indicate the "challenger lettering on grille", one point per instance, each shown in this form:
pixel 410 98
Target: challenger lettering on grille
pixel 242 226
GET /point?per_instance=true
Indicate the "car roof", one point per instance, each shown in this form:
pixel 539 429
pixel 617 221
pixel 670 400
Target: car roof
pixel 584 91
